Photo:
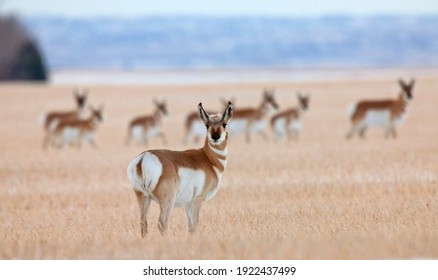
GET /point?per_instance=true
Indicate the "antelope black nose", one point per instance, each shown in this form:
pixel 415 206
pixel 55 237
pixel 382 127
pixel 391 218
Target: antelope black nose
pixel 215 136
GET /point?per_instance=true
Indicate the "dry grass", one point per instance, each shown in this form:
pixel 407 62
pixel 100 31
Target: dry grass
pixel 319 198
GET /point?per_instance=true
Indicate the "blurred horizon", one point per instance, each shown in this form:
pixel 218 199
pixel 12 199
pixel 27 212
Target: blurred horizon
pixel 191 42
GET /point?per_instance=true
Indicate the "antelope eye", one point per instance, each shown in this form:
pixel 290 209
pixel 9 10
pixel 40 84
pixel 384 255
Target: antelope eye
pixel 207 126
pixel 224 125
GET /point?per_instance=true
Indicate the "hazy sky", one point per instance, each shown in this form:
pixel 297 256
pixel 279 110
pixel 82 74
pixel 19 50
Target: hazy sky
pixel 128 8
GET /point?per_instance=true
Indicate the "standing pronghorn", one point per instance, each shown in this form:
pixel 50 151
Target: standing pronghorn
pixel 182 178
pixel 249 120
pixel 144 127
pixel 384 113
pixel 195 128
pixel 73 131
pixel 289 121
pixel 47 119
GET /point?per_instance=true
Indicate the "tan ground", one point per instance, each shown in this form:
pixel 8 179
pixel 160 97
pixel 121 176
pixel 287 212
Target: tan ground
pixel 319 198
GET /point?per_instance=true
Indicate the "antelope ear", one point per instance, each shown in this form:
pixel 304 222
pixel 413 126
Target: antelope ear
pixel 203 115
pixel 401 83
pixel 228 113
pixel 412 83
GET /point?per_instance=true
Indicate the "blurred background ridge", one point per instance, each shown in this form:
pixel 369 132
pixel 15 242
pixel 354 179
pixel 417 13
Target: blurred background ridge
pixel 20 57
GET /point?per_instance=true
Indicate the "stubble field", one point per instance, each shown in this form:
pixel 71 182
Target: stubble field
pixel 321 197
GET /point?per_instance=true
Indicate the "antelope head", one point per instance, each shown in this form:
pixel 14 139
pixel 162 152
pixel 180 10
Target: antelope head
pixel 96 113
pixel 216 124
pixel 303 101
pixel 407 89
pixel 161 107
pixel 80 98
pixel 268 98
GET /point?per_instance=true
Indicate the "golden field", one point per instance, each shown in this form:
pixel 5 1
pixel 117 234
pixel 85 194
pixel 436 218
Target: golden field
pixel 321 197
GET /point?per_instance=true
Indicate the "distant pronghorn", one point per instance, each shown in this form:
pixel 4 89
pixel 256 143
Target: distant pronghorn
pixel 73 131
pixel 249 120
pixel 195 128
pixel 145 127
pixel 46 119
pixel 182 178
pixel 384 113
pixel 289 121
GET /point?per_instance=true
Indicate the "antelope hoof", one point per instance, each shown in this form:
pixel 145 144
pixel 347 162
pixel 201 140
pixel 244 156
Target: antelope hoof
pixel 144 229
pixel 162 229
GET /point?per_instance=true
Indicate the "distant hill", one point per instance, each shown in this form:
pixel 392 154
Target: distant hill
pixel 20 57
pixel 193 43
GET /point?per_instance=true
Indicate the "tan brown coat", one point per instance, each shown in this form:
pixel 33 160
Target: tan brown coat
pixel 385 113
pixel 181 178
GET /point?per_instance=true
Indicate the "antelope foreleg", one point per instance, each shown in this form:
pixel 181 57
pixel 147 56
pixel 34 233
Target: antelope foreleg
pixel 192 212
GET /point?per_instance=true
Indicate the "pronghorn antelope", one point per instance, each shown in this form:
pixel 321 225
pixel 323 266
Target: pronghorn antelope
pixel 182 178
pixel 248 120
pixel 384 113
pixel 289 121
pixel 74 131
pixel 195 128
pixel 47 119
pixel 145 127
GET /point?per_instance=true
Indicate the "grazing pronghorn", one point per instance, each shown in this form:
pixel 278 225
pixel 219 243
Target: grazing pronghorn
pixel 384 113
pixel 182 178
pixel 74 131
pixel 249 120
pixel 46 119
pixel 289 121
pixel 195 128
pixel 145 127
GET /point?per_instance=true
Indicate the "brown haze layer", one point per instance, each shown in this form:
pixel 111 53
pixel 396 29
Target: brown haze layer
pixel 322 197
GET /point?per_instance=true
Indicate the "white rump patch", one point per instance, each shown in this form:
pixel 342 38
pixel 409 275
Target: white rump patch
pixel 191 184
pixel 151 169
pixel 137 132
